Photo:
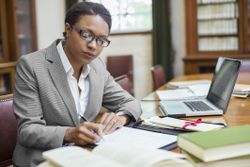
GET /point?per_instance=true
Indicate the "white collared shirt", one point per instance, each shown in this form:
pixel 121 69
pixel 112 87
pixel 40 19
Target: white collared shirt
pixel 80 89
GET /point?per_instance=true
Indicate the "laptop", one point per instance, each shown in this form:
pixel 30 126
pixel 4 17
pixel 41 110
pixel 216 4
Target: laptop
pixel 216 102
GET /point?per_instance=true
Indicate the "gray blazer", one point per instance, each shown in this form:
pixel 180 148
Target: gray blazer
pixel 44 106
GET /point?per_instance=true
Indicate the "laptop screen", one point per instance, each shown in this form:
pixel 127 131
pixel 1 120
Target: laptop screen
pixel 225 75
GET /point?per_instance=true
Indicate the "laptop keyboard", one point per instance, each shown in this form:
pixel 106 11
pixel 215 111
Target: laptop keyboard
pixel 197 106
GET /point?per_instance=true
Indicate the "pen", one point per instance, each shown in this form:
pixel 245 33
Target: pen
pixel 84 119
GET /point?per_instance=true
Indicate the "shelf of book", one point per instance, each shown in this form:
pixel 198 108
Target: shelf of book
pixel 208 2
pixel 217 19
pixel 7 77
pixel 17 37
pixel 216 28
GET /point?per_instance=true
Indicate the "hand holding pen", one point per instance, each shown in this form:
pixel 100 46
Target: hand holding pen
pixel 86 133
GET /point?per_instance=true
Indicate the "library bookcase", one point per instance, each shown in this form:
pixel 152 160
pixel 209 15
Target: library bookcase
pixel 215 28
pixel 17 37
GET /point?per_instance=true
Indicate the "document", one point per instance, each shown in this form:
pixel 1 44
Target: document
pixel 136 137
pixel 190 92
pixel 241 90
pixel 200 90
pixel 175 94
pixel 185 84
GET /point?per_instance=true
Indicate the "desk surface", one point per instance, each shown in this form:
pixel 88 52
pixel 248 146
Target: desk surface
pixel 238 111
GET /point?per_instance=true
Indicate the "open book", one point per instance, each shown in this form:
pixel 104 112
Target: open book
pixel 174 123
pixel 112 155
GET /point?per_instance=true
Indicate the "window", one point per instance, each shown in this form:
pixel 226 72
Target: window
pixel 129 15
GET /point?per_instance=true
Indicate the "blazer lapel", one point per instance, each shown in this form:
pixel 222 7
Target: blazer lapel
pixel 91 109
pixel 59 78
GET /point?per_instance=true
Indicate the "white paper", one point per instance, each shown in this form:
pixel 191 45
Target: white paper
pixel 242 87
pixel 200 89
pixel 177 94
pixel 185 84
pixel 139 138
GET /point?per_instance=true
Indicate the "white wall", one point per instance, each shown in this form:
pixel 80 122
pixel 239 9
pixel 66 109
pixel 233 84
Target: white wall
pixel 140 46
pixel 50 25
pixel 178 34
pixel 50 21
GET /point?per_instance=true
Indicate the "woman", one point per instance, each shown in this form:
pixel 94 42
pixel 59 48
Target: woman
pixel 60 90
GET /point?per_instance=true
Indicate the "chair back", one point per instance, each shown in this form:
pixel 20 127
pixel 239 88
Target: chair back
pixel 8 130
pixel 158 76
pixel 119 65
pixel 245 66
pixel 125 83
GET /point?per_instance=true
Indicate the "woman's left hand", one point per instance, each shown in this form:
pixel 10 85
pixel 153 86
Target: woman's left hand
pixel 111 121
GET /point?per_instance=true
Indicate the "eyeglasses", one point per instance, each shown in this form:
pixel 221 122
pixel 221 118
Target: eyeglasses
pixel 89 36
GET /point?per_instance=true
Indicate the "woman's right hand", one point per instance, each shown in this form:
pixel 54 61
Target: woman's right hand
pixel 86 133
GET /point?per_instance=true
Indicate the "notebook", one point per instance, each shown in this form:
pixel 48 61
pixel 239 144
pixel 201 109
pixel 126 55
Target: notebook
pixel 216 102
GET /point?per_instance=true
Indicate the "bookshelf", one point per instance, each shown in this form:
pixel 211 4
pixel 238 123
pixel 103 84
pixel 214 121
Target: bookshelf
pixel 216 28
pixel 17 37
pixel 7 77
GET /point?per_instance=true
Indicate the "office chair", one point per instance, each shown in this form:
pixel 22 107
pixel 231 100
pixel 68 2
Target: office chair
pixel 158 76
pixel 8 130
pixel 125 83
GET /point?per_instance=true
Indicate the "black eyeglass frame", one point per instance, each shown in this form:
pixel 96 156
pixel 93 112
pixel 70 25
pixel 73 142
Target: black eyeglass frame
pixel 105 41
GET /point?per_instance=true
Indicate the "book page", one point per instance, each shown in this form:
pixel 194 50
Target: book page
pixel 77 157
pixel 136 156
pixel 185 84
pixel 179 123
pixel 136 137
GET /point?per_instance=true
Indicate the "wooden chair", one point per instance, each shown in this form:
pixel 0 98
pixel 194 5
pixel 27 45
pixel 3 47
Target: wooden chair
pixel 245 67
pixel 158 76
pixel 8 130
pixel 125 83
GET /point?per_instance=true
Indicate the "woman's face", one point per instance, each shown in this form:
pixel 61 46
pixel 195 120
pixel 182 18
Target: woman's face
pixel 79 48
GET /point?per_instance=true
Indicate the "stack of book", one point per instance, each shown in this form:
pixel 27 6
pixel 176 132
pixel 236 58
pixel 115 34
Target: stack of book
pixel 241 90
pixel 225 147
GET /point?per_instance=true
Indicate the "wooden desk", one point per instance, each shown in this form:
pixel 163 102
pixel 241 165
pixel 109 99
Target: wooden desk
pixel 238 112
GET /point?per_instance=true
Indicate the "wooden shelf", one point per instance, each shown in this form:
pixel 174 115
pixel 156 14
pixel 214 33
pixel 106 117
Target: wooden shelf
pixel 18 34
pixel 7 77
pixel 219 35
pixel 215 3
pixel 221 18
pixel 199 61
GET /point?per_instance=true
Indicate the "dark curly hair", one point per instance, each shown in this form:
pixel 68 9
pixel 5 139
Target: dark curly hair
pixel 87 8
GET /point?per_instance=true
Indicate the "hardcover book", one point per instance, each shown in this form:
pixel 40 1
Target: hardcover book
pixel 241 161
pixel 218 144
